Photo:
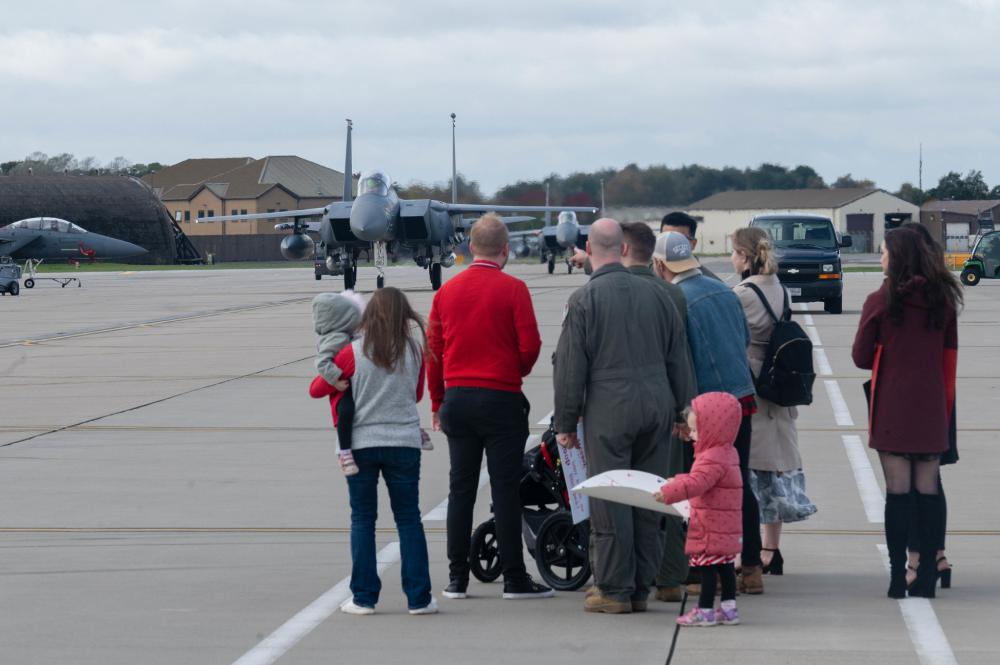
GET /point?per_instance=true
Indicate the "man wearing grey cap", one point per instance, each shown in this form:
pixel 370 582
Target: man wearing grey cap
pixel 718 335
pixel 621 365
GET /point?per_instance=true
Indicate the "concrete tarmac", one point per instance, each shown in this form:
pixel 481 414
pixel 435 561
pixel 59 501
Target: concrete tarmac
pixel 169 494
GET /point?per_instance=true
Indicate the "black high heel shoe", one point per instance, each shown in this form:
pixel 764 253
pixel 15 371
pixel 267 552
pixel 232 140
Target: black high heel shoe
pixel 777 564
pixel 944 574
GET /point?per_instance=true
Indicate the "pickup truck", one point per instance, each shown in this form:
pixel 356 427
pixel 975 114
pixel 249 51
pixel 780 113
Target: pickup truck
pixel 808 251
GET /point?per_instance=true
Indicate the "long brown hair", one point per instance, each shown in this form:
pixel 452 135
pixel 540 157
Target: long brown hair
pixel 756 245
pixel 915 263
pixel 387 329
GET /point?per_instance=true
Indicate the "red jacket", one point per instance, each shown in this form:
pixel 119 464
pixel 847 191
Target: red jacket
pixel 481 333
pixel 345 361
pixel 715 484
pixel 913 373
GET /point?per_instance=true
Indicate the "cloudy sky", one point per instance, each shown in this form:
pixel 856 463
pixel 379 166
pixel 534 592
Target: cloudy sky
pixel 539 86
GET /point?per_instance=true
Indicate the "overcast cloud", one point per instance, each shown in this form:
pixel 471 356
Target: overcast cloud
pixel 539 87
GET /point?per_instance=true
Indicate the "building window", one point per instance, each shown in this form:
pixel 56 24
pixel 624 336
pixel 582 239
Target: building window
pixel 233 212
pixel 270 209
pixel 243 211
pixel 177 216
pixel 211 213
pixel 201 214
pixel 187 215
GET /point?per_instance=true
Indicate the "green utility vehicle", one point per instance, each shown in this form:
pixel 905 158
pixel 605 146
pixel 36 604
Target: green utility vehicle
pixel 984 263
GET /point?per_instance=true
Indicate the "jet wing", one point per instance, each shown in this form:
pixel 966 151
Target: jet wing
pixel 509 219
pixel 10 245
pixel 463 208
pixel 307 212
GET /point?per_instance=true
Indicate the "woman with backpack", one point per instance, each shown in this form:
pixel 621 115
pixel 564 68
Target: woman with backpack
pixel 908 338
pixel 386 374
pixel 776 475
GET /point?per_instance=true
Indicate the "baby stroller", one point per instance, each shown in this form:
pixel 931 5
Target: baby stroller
pixel 560 548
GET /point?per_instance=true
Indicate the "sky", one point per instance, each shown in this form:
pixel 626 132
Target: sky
pixel 556 86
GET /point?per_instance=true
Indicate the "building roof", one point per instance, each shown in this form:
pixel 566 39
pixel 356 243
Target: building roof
pixel 247 178
pixel 193 171
pixel 961 207
pixel 782 199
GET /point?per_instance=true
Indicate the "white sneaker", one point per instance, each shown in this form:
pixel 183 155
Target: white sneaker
pixel 350 608
pixel 430 608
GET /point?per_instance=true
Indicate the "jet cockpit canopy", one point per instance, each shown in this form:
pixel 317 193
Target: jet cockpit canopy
pixel 47 224
pixel 567 217
pixel 374 182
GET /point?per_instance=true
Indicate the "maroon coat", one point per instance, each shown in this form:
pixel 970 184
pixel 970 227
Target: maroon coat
pixel 715 484
pixel 913 374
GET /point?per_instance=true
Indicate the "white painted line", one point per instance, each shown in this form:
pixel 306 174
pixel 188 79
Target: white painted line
pixel 822 362
pixel 840 411
pixel 288 635
pixel 808 319
pixel 544 422
pixel 926 634
pixel 801 306
pixel 813 335
pixel 864 476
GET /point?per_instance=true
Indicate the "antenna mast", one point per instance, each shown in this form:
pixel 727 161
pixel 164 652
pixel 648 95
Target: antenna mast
pixel 454 169
pixel 920 171
pixel 548 213
pixel 348 174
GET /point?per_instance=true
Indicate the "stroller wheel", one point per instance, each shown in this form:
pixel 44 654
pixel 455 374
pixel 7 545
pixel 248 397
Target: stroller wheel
pixel 561 552
pixel 484 555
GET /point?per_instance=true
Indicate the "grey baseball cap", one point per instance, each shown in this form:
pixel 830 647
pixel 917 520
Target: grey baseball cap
pixel 674 249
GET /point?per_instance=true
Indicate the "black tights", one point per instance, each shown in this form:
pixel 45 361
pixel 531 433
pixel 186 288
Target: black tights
pixel 904 474
pixel 726 573
pixel 345 419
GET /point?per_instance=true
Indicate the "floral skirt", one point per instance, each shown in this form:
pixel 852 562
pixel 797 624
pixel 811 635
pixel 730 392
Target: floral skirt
pixel 781 495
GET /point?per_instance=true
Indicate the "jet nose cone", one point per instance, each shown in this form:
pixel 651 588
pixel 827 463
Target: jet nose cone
pixel 370 218
pixel 125 249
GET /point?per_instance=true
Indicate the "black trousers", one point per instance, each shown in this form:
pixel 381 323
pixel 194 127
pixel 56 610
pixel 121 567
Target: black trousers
pixel 478 420
pixel 726 574
pixel 345 419
pixel 751 510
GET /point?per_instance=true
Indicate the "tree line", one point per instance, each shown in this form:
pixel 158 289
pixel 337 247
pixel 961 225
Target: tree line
pixel 655 185
pixel 39 163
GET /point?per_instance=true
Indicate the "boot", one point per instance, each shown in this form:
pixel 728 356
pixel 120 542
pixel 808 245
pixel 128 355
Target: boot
pixel 751 580
pixel 931 513
pixel 897 523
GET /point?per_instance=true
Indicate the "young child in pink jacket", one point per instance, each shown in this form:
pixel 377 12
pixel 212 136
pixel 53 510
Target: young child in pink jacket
pixel 714 488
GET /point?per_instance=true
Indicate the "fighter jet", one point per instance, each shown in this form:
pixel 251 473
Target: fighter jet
pixel 561 239
pixel 377 221
pixel 47 238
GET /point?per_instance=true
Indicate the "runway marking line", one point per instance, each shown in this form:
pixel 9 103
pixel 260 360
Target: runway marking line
pixel 926 633
pixel 292 631
pixel 864 476
pixel 840 411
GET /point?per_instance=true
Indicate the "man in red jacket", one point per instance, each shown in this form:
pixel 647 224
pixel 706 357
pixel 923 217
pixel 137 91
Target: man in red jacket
pixel 483 339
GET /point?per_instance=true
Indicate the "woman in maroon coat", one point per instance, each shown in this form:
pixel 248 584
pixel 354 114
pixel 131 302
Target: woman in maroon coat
pixel 908 337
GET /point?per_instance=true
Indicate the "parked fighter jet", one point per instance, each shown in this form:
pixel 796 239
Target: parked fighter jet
pixel 377 221
pixel 47 238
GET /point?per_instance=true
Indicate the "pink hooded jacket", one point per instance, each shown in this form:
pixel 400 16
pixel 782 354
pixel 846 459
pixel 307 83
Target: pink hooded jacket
pixel 715 484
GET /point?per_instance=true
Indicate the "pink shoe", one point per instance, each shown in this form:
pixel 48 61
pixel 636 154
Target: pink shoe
pixel 347 464
pixel 728 617
pixel 698 617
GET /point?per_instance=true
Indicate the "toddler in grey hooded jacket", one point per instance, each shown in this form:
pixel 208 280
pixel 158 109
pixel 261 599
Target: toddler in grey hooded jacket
pixel 335 318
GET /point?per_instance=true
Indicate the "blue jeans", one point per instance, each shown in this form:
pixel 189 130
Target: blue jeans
pixel 400 467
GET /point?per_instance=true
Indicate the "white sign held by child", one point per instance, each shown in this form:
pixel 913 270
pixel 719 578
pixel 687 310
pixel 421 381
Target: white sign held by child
pixel 634 488
pixel 574 466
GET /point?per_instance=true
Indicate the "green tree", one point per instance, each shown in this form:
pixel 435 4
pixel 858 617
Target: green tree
pixel 952 186
pixel 847 182
pixel 912 193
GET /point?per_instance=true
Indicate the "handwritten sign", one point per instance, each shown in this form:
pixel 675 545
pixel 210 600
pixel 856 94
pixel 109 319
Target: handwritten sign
pixel 574 466
pixel 634 488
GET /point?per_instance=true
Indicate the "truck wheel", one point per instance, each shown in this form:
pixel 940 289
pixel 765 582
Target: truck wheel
pixel 29 283
pixel 970 277
pixel 834 305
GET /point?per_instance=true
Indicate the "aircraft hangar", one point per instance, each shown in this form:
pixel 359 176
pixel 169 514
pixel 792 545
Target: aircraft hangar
pixel 116 206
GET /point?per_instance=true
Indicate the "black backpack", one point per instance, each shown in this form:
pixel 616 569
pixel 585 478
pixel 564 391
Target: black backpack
pixel 787 376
